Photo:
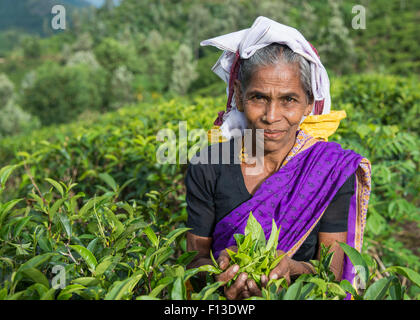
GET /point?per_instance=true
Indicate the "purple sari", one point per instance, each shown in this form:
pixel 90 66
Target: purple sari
pixel 297 195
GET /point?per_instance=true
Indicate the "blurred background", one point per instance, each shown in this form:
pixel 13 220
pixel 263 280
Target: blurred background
pixel 91 98
pixel 117 52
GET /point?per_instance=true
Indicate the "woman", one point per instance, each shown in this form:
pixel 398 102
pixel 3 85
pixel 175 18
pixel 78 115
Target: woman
pixel 315 191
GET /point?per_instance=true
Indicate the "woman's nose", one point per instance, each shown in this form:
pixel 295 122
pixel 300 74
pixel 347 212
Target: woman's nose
pixel 272 113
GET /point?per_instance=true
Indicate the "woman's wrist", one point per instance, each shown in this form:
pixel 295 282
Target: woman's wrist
pixel 300 267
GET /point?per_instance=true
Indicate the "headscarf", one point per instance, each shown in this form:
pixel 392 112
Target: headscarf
pixel 243 44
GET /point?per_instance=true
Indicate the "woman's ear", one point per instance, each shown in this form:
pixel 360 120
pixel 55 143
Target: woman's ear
pixel 309 108
pixel 238 95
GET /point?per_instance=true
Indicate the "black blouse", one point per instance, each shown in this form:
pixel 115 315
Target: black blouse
pixel 214 190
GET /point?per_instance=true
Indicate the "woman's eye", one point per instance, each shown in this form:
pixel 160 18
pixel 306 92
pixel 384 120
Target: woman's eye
pixel 289 99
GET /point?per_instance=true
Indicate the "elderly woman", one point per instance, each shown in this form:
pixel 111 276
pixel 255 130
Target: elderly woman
pixel 316 192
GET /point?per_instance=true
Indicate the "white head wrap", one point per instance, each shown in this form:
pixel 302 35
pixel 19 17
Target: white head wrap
pixel 264 32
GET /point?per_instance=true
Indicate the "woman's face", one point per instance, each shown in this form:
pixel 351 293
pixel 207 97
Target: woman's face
pixel 274 101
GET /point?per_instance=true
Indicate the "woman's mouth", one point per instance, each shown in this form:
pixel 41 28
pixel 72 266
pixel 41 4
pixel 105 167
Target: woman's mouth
pixel 273 134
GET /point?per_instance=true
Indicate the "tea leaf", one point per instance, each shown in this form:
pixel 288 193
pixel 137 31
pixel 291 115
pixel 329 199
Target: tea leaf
pixel 294 291
pixel 36 276
pixel 86 255
pixel 406 272
pixel 56 185
pixel 121 289
pixel 378 290
pixel 357 260
pixel 68 291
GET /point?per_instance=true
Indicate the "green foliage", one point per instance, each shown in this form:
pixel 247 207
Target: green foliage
pixel 111 54
pixel 6 90
pixel 89 196
pixel 59 94
pixel 254 254
pixel 183 72
pixel 12 118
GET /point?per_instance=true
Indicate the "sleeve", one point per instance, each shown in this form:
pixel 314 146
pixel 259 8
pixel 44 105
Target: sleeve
pixel 336 214
pixel 199 183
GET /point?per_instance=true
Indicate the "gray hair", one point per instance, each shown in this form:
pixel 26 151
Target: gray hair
pixel 271 55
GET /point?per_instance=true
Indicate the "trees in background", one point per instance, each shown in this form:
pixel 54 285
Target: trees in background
pixel 12 118
pixel 148 47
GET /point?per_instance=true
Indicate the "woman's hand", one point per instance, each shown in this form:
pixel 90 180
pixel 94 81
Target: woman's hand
pixel 243 287
pixel 283 268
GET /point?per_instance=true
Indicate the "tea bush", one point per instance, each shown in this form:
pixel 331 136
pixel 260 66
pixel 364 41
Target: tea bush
pixel 90 198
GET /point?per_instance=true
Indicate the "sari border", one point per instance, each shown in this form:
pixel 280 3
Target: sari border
pixel 357 219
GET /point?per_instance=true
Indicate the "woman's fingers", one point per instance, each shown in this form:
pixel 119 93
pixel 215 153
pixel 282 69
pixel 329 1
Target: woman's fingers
pixel 264 280
pixel 253 289
pixel 228 274
pixel 234 292
pixel 245 294
pixel 224 258
pixel 280 270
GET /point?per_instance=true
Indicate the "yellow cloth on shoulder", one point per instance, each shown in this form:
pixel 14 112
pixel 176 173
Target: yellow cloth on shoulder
pixel 319 126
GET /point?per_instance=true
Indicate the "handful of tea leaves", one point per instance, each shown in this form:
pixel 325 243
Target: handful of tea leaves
pixel 255 256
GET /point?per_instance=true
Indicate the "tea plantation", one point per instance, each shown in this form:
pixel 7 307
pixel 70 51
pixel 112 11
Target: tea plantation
pixel 86 211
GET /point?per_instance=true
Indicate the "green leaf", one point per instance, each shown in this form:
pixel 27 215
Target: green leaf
pixel 64 219
pixel 274 237
pixel 35 261
pixel 346 285
pixel 306 290
pixel 322 285
pixel 68 291
pixel 6 207
pixel 86 281
pixel 5 172
pixel 109 181
pixel 378 289
pixel 151 236
pixel 358 262
pixel 20 225
pixel 214 260
pixel 17 295
pixel 178 291
pixel 40 289
pixel 146 298
pixel 186 258
pixel 208 290
pixel 163 283
pixel 239 239
pixel 253 227
pixel 87 256
pixel 175 234
pixel 410 274
pixel 276 261
pixel 90 203
pixel 293 292
pixel 336 290
pixel 92 244
pixel 36 276
pixel 53 209
pixel 395 290
pixel 243 259
pixel 56 185
pixel 121 289
pixel 49 295
pixel 102 267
